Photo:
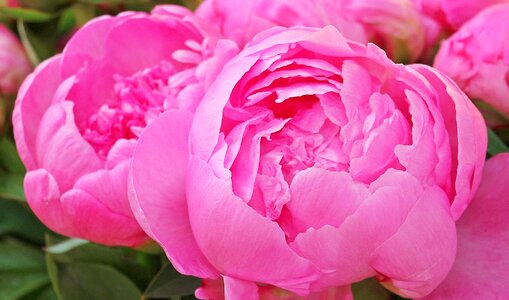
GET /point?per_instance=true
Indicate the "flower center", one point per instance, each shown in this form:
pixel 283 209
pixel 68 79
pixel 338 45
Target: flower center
pixel 138 99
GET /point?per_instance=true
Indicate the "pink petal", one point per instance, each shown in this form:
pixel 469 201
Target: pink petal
pixel 321 197
pixel 87 44
pixel 42 194
pixel 481 268
pixel 238 241
pixel 61 149
pixel 34 97
pixel 418 257
pixel 343 253
pixel 157 191
pixel 78 214
pixel 121 150
pixel 240 289
pixel 109 187
pixel 467 133
pixel 92 220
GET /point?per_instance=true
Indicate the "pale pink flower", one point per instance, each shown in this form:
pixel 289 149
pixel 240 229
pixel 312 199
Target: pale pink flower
pixel 14 64
pixel 477 57
pixel 312 162
pixel 395 25
pixel 79 115
pixel 458 12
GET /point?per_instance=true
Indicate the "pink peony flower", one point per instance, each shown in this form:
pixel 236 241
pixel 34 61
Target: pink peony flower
pixel 477 57
pixel 435 23
pixel 480 270
pixel 458 12
pixel 14 65
pixel 313 162
pixel 395 25
pixel 78 116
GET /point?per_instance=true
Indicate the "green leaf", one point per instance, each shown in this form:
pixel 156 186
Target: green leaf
pixel 25 14
pixel 17 257
pixel 16 285
pixel 67 22
pixel 9 158
pixel 44 293
pixel 169 283
pixel 22 271
pixel 11 186
pixel 495 144
pixel 52 268
pixel 17 219
pixel 139 267
pixel 370 289
pixel 82 281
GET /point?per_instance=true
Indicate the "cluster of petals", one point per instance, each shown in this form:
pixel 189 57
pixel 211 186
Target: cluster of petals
pixel 293 168
pixel 483 238
pixel 311 163
pixel 396 25
pixel 78 116
pixel 477 57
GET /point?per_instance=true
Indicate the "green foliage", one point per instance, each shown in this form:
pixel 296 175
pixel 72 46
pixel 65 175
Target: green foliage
pixel 82 270
pixel 22 270
pixel 25 14
pixel 169 283
pixel 495 144
pixel 370 289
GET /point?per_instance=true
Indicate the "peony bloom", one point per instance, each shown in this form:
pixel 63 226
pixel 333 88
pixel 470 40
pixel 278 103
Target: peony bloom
pixel 477 57
pixel 313 162
pixel 78 116
pixel 481 267
pixel 396 25
pixel 458 12
pixel 435 23
pixel 14 65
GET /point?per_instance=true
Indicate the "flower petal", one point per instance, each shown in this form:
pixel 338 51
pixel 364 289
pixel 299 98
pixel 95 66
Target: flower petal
pixel 240 235
pixel 34 97
pixel 481 268
pixel 157 191
pixel 419 256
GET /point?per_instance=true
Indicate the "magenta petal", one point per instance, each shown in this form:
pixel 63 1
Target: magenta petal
pixel 78 214
pixel 157 191
pixel 126 56
pixel 109 187
pixel 34 97
pixel 86 44
pixel 61 149
pixel 90 219
pixel 418 257
pixel 481 269
pixel 238 241
pixel 121 150
pixel 43 196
